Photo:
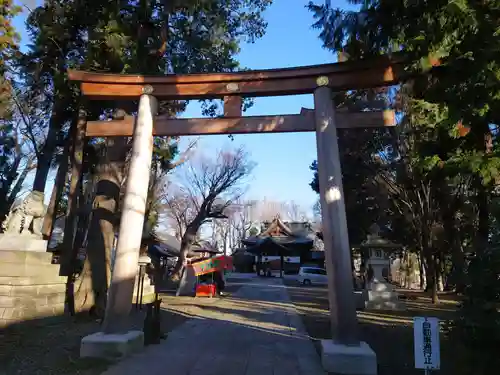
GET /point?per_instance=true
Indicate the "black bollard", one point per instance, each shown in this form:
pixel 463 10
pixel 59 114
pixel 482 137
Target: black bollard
pixel 156 324
pixel 148 325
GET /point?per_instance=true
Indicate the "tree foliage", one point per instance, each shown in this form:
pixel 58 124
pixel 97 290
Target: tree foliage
pixel 9 49
pixel 360 152
pixel 143 37
pixel 444 173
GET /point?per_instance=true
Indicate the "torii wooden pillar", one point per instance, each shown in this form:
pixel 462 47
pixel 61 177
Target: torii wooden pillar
pixel 320 80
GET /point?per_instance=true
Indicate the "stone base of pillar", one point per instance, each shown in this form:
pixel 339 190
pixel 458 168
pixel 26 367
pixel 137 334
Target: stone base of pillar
pixel 349 360
pixel 111 346
pixel 381 296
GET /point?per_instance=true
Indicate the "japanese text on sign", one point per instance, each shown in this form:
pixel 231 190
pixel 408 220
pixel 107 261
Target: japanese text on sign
pixel 426 337
pixel 219 263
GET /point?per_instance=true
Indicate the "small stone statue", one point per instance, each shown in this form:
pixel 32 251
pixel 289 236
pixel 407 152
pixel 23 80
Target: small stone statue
pixel 26 216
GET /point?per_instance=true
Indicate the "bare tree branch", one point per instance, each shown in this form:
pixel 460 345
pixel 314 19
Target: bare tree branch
pixel 204 189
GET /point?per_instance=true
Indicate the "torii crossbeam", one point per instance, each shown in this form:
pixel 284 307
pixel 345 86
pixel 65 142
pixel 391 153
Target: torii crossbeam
pixel 344 353
pixel 303 122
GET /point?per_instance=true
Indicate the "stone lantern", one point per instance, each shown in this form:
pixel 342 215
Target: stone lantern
pixel 380 294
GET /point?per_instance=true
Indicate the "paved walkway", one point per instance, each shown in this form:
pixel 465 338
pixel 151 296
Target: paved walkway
pixel 256 331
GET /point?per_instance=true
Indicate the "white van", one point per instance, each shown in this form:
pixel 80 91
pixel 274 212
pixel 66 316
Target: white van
pixel 312 275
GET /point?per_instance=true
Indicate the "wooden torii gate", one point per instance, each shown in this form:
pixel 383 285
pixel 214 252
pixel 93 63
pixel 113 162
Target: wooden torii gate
pixel 321 80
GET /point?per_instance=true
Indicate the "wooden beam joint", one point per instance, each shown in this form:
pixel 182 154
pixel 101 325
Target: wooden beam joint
pixel 232 106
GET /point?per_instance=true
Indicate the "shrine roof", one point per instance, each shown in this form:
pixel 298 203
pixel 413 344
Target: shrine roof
pixel 280 240
pixel 167 245
pixel 204 247
pixel 277 234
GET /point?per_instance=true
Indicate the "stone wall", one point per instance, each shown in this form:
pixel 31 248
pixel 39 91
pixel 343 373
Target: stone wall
pixel 30 287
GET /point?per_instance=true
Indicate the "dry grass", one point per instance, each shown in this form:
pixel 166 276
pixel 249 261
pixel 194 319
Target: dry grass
pixel 389 333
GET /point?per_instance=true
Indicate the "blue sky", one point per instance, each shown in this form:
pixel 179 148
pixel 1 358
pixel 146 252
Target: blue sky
pixel 282 170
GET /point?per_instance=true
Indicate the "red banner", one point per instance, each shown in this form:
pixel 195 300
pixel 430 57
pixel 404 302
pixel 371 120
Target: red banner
pixel 219 263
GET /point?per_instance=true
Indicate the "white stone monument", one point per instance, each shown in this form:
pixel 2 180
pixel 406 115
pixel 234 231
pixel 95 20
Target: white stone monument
pixel 380 294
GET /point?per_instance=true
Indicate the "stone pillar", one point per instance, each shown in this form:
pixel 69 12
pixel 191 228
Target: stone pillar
pixel 132 219
pixel 113 340
pixel 344 354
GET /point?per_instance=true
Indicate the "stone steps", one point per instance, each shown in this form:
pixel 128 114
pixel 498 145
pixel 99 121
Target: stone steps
pixel 29 257
pixel 27 269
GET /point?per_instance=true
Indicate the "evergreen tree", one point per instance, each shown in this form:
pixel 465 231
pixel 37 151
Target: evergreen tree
pixel 445 40
pixel 9 51
pixel 144 37
pixel 364 200
pixel 454 49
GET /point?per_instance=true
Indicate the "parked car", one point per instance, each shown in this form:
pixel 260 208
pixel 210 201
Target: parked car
pixel 312 275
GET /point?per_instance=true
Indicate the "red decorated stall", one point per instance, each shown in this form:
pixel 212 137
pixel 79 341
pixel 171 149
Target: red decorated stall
pixel 219 263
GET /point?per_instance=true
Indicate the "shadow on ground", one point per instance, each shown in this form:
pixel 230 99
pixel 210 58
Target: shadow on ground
pixel 253 332
pixel 51 345
pixel 389 333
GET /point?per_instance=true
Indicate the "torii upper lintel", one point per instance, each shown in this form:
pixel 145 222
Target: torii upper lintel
pixel 374 72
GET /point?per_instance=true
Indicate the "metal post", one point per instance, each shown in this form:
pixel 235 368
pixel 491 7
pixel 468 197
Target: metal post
pixel 142 276
pixel 138 290
pixel 335 235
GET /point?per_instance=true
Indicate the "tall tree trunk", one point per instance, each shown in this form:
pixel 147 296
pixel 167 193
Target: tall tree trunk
pixel 442 278
pixel 483 228
pixel 456 278
pixel 55 197
pixel 69 252
pixel 14 192
pixel 188 239
pixel 485 143
pixel 431 271
pixel 84 214
pixel 434 295
pixel 85 199
pixel 421 268
pixel 92 285
pixel 431 276
pixel 458 268
pixel 48 149
pixel 428 238
pixel 4 190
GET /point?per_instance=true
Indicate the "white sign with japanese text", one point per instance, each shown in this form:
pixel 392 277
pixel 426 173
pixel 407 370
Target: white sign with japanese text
pixel 426 337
